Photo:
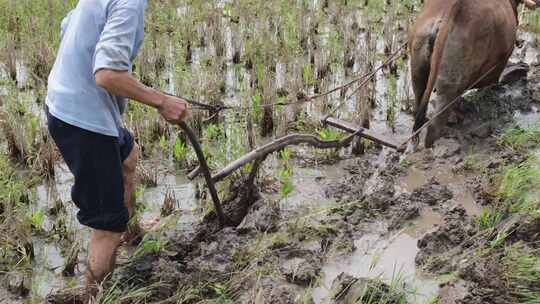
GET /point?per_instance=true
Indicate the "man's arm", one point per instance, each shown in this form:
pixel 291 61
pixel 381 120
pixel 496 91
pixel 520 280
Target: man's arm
pixel 121 83
pixel 112 62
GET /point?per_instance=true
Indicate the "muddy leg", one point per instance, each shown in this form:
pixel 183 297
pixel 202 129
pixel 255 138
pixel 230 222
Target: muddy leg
pixel 129 169
pixel 439 122
pixel 101 259
pixel 420 66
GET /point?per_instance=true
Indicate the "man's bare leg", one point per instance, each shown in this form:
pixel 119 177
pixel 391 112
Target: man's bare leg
pixel 101 259
pixel 104 244
pixel 129 172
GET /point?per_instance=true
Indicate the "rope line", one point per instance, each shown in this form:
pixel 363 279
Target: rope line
pixel 364 79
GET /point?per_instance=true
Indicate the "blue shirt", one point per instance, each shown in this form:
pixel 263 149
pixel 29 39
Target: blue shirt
pixel 97 34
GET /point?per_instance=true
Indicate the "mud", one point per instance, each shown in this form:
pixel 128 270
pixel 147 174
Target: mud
pixel 440 245
pixel 454 245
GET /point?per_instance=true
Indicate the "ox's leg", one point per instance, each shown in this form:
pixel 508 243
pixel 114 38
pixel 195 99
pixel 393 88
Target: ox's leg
pixel 420 69
pixel 440 119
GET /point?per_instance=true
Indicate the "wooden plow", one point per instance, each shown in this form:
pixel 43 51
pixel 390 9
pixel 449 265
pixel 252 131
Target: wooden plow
pixel 257 156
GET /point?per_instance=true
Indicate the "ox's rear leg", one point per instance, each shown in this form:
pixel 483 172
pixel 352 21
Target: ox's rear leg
pixel 439 118
pixel 420 67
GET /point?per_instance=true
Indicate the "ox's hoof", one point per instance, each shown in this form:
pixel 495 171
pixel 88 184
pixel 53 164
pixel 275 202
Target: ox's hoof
pixel 412 147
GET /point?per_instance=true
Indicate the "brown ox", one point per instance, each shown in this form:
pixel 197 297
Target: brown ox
pixel 453 44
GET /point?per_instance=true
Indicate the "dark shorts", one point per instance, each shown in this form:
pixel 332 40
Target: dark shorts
pixel 96 163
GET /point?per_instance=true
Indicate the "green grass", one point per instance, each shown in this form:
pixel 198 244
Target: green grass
pixel 520 187
pixel 377 292
pixel 330 134
pixel 490 217
pixel 405 163
pixel 521 139
pixel 532 21
pixel 522 272
pixel 16 219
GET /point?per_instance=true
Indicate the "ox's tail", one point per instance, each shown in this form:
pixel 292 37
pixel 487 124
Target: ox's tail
pixel 436 57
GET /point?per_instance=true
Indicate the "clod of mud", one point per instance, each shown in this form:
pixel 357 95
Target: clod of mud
pixel 67 296
pixel 484 130
pixel 455 292
pixel 438 246
pixel 302 268
pixel 300 271
pixel 528 230
pixel 350 290
pixel 446 147
pixel 534 81
pixel 262 216
pixel 380 187
pixel 496 103
pixel 216 254
pixel 271 290
pixel 351 186
pixel 236 206
pixel 139 271
pixel 482 189
pixel 485 281
pixel 205 261
pixel 404 209
pixel 432 193
pixel 241 197
pixel 481 280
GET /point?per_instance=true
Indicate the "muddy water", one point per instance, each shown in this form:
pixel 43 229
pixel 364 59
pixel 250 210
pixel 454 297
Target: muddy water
pixel 183 193
pixel 528 119
pixel 457 183
pixel 47 272
pixel 390 258
pixel 308 188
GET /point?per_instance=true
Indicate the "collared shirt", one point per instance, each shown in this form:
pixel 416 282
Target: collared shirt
pixel 97 34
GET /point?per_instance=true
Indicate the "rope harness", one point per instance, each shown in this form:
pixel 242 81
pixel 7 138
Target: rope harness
pixel 364 80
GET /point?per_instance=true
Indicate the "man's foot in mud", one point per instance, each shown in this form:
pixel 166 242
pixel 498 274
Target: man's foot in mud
pixel 136 232
pixel 412 145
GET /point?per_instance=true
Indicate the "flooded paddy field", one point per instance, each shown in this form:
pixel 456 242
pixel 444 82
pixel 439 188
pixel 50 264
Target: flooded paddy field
pixel 456 223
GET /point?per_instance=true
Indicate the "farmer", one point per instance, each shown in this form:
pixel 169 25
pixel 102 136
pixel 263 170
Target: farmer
pixel 85 100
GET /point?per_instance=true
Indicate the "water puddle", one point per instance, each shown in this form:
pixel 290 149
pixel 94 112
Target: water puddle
pixel 416 178
pixel 308 187
pixel 391 259
pixel 427 220
pixel 528 119
pixel 181 191
pixel 47 271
